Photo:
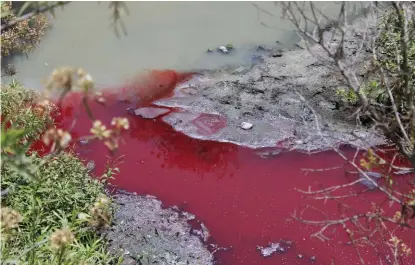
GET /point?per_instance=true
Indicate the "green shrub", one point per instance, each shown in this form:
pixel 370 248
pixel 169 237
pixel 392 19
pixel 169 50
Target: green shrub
pixel 22 108
pixel 52 210
pixel 63 193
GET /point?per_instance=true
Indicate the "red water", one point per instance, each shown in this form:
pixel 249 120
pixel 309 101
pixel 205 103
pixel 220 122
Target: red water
pixel 243 199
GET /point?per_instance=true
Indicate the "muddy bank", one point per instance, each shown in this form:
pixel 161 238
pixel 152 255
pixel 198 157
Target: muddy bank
pixel 271 103
pixel 145 233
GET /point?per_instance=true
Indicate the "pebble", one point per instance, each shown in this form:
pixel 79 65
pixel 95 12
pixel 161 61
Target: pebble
pixel 246 125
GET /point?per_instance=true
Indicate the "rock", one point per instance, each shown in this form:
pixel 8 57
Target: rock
pixel 209 50
pixel 246 125
pixel 223 49
pixel 150 112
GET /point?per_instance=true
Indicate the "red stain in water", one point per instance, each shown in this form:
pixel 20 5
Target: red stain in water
pixel 153 85
pixel 243 199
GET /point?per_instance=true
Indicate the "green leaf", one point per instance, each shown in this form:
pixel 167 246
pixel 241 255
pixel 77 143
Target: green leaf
pixel 25 6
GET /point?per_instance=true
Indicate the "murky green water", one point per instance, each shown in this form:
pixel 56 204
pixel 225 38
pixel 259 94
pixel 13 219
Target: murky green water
pixel 160 35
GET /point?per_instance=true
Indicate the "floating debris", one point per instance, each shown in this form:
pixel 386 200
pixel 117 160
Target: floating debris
pixel 189 216
pixel 367 183
pixel 271 249
pixel 246 125
pixel 404 171
pixel 223 49
pixel 229 46
pixel 203 233
pixel 150 113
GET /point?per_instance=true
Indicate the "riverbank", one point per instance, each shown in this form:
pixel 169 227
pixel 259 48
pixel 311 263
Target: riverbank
pixel 277 97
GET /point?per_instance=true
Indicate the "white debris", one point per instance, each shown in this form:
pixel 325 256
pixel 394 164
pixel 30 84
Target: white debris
pixel 189 216
pixel 223 49
pixel 246 125
pixel 271 249
pixel 150 112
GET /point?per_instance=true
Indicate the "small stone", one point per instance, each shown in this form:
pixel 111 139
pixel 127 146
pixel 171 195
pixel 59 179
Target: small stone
pixel 223 49
pixel 300 256
pixel 246 125
pixel 209 50
pixel 229 46
pixel 313 258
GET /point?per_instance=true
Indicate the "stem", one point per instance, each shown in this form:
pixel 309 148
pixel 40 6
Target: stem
pixel 61 252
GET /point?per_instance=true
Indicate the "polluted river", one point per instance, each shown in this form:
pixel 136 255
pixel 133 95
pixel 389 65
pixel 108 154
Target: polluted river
pixel 222 139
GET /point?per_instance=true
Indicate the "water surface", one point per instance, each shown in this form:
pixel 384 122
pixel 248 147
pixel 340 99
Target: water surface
pixel 173 35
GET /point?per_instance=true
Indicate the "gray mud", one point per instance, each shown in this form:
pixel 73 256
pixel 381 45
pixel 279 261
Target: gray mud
pixel 267 95
pixel 145 233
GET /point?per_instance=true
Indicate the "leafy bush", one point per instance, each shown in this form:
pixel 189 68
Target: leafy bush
pixel 52 210
pixel 60 198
